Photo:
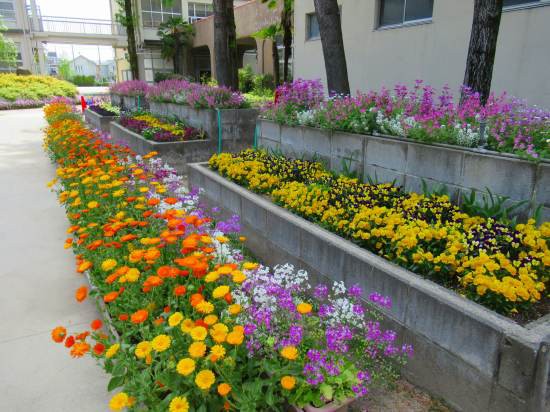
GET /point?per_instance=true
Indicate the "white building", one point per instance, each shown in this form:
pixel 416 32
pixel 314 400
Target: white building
pixel 399 41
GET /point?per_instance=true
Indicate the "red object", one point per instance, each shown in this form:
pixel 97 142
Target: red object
pixel 83 103
pixel 276 96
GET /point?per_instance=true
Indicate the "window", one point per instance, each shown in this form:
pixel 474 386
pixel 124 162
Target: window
pixel 154 12
pixel 397 12
pixel 312 27
pixel 7 12
pixel 197 11
pixel 512 3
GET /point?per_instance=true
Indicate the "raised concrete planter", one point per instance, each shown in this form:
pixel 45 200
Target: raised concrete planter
pixel 408 162
pixel 98 121
pixel 179 153
pixel 473 358
pixel 129 102
pixel 238 125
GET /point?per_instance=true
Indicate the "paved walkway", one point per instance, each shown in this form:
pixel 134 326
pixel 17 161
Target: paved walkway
pixel 37 283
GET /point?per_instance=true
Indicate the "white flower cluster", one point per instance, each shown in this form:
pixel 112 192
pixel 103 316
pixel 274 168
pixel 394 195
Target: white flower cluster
pixel 307 117
pixel 391 125
pixel 466 136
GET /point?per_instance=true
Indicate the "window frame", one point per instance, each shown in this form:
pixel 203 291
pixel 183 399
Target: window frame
pixel 404 23
pixel 529 5
pixel 161 13
pixel 309 16
pixel 207 9
pixel 10 21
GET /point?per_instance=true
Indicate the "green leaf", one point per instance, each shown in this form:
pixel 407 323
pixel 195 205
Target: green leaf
pixel 115 382
pixel 326 391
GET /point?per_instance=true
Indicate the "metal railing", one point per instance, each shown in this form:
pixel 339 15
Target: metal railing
pixel 77 26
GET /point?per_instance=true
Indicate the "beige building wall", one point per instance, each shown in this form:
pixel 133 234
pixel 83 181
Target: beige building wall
pixel 434 51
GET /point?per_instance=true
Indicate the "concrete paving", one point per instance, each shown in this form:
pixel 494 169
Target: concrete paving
pixel 37 283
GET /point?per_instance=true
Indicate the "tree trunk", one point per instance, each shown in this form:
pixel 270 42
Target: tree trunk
pixel 131 34
pixel 483 46
pixel 328 15
pixel 276 68
pixel 225 44
pixel 287 41
pixel 177 58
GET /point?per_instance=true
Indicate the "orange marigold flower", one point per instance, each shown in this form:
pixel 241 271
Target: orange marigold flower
pixel 224 389
pixel 58 334
pixel 96 324
pixel 79 349
pixel 139 316
pixel 109 297
pixel 153 201
pixel 195 299
pixel 84 266
pixel 171 200
pixel 69 342
pixel 180 290
pixel 81 293
pixel 99 348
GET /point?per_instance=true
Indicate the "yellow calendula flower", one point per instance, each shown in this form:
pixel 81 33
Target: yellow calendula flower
pixel 118 402
pixel 179 404
pixel 210 319
pixel 222 239
pixel 175 319
pixel 250 266
pixel 238 276
pixel 220 291
pixel 205 307
pixel 289 352
pixel 197 349
pixel 234 309
pixel 143 349
pixel 219 332
pixel 161 342
pixel 288 382
pixel 108 264
pixel 199 333
pixel 187 325
pixel 217 352
pixel 211 277
pixel 235 337
pixel 205 379
pixel 93 204
pixel 112 351
pixel 186 366
pixel 303 308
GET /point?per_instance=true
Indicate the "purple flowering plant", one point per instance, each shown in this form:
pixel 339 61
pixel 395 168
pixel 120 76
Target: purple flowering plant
pixel 196 95
pixel 338 346
pixel 130 88
pixel 419 113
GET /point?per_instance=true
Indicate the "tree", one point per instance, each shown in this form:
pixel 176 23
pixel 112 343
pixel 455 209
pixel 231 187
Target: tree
pixel 330 28
pixel 127 19
pixel 176 35
pixel 8 51
pixel 64 69
pixel 225 44
pixel 272 32
pixel 286 29
pixel 483 46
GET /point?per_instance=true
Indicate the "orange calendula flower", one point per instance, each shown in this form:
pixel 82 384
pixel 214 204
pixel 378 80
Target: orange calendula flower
pixel 304 308
pixel 288 382
pixel 79 349
pixel 224 389
pixel 111 296
pixel 81 293
pixel 289 352
pixel 84 266
pixel 96 324
pixel 58 334
pixel 139 316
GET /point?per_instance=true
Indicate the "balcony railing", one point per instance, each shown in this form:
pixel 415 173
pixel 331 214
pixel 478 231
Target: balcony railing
pixel 77 25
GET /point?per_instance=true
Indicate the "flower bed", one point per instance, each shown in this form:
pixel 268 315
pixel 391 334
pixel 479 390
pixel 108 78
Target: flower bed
pixel 503 268
pixel 104 108
pixel 130 88
pixel 188 307
pixel 157 130
pixel 511 125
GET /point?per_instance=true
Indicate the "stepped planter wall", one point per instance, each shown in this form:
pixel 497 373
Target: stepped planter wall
pixel 238 125
pixel 473 358
pixel 179 153
pixel 408 162
pixel 98 121
pixel 129 102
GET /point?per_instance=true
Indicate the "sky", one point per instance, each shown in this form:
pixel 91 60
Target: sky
pixel 91 9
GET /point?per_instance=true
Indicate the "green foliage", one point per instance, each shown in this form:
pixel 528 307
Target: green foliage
pixel 175 35
pixel 64 69
pixel 161 76
pixel 434 190
pixel 246 79
pixel 491 206
pixel 8 51
pixel 81 80
pixel 13 87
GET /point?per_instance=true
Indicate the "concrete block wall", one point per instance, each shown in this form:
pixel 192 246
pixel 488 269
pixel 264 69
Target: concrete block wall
pixel 238 125
pixel 179 153
pixel 471 357
pixel 408 163
pixel 98 121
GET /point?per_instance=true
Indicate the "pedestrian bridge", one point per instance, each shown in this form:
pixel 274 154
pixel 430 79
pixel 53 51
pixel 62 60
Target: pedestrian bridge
pixel 70 30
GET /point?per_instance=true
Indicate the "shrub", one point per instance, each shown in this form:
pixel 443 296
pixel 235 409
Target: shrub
pixel 81 80
pixel 38 88
pixel 130 88
pixel 161 76
pixel 246 79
